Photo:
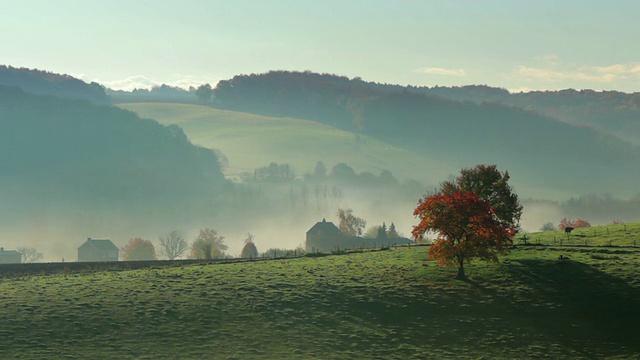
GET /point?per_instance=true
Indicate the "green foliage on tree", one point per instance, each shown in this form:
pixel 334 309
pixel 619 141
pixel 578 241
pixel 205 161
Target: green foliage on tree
pixel 350 224
pixel 204 93
pixel 490 185
pixel 392 233
pixel 208 245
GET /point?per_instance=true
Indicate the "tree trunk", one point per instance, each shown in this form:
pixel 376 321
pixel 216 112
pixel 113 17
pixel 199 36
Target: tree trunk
pixel 461 275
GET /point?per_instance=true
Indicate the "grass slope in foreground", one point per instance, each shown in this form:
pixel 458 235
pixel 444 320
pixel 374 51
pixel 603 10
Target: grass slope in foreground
pixel 251 141
pixel 377 305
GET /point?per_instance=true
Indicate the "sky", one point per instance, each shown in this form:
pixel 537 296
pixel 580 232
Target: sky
pixel 519 45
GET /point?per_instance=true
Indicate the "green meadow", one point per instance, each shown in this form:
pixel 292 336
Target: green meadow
pixel 251 141
pixel 379 304
pixel 604 235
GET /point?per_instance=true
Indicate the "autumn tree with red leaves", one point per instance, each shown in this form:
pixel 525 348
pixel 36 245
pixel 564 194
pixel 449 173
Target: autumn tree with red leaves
pixel 467 227
pixel 139 249
pixel 577 223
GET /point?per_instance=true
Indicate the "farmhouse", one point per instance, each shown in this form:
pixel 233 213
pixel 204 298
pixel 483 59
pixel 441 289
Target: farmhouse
pixel 325 236
pixel 10 256
pixel 97 250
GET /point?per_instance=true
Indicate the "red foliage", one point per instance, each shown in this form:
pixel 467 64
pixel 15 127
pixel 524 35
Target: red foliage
pixel 249 251
pixel 577 223
pixel 467 227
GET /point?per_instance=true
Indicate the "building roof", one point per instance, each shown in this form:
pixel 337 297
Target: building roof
pixel 8 252
pixel 101 245
pixel 324 227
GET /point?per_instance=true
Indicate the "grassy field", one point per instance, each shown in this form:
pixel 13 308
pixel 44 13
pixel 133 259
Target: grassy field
pixel 250 141
pixel 611 235
pixel 390 304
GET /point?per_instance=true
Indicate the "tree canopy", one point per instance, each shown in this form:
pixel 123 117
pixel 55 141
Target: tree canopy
pixel 350 224
pixel 491 185
pixel 139 249
pixel 208 245
pixel 467 227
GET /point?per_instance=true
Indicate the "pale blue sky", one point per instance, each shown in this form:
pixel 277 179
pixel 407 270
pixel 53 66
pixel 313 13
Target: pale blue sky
pixel 517 45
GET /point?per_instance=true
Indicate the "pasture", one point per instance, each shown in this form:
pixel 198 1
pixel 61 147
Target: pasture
pixel 251 141
pixel 384 304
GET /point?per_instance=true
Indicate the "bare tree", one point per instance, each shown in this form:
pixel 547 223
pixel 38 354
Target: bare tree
pixel 173 245
pixel 30 255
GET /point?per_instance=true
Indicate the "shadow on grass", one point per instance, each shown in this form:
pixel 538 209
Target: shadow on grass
pixel 573 300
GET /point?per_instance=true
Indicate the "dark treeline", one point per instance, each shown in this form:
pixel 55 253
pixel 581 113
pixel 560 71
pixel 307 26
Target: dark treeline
pixel 162 93
pixel 550 153
pixel 47 83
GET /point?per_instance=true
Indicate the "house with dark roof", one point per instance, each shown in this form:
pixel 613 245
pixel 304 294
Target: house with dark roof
pixel 98 250
pixel 325 236
pixel 10 256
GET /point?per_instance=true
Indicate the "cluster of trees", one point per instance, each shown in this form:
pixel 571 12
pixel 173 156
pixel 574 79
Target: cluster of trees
pixel 207 245
pixel 566 222
pixel 382 232
pixel 340 173
pixel 474 216
pixel 573 223
pixel 161 93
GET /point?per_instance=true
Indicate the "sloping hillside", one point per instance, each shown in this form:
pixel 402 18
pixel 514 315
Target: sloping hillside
pixel 251 141
pixel 72 167
pixel 549 153
pixel 389 304
pixel 47 83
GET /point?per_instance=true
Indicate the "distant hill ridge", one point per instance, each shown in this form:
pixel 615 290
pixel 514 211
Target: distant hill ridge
pixel 47 83
pixel 550 152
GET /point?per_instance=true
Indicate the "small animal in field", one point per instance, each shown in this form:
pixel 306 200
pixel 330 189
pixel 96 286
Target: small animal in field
pixel 568 230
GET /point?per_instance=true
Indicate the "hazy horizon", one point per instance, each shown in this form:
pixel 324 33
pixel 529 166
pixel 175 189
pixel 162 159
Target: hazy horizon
pixel 520 46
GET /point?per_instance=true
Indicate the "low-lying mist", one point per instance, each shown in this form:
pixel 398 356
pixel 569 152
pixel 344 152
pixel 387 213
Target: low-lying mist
pixel 277 214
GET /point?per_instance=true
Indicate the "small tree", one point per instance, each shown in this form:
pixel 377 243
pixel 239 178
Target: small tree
pixel 30 255
pixel 249 251
pixel 548 227
pixel 208 245
pixel 372 232
pixel 173 245
pixel 467 227
pixel 382 231
pixel 350 224
pixel 139 249
pixel 392 233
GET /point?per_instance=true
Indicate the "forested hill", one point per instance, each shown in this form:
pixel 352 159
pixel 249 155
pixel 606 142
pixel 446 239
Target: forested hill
pixel 613 112
pixel 67 154
pixel 47 83
pixel 549 152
